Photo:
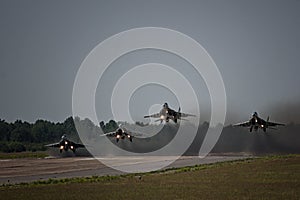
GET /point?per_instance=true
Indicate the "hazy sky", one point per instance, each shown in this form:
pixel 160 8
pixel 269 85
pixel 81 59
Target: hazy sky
pixel 255 45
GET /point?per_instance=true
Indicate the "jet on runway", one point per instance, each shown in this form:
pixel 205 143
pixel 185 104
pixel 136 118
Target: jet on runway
pixel 65 144
pixel 122 133
pixel 257 122
pixel 166 113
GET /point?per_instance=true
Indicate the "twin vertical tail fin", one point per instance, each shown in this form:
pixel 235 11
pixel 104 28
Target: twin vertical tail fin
pixel 179 114
pixel 267 122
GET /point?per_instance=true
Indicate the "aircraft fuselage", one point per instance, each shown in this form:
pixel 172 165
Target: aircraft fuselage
pixel 66 145
pixel 121 134
pixel 257 123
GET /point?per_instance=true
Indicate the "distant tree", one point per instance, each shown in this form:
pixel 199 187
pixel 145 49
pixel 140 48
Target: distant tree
pixel 41 131
pixel 21 132
pixel 69 126
pixel 110 126
pixel 4 147
pixel 16 147
pixel 102 125
pixel 5 130
pixel 141 123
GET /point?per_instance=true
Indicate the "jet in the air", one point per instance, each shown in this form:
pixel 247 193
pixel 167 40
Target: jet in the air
pixel 65 144
pixel 166 113
pixel 256 122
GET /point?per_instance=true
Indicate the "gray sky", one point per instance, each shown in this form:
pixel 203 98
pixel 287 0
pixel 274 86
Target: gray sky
pixel 255 45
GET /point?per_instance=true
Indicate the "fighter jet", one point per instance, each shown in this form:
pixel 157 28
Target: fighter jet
pixel 65 144
pixel 166 113
pixel 121 133
pixel 257 122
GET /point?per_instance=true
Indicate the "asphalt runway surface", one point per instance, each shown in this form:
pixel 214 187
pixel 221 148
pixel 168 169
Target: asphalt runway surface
pixel 30 169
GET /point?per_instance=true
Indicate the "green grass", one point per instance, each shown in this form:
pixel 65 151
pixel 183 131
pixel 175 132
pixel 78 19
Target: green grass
pixel 37 154
pixel 275 177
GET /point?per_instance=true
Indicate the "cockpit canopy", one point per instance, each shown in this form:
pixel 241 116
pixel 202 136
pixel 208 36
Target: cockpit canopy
pixel 165 105
pixel 254 114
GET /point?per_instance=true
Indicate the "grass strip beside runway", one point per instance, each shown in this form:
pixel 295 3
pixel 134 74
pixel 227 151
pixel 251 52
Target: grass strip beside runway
pixel 27 154
pixel 275 177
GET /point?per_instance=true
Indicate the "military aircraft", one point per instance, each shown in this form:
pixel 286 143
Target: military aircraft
pixel 65 144
pixel 121 133
pixel 257 122
pixel 166 113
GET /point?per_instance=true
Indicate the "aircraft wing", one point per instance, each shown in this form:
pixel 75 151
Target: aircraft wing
pixel 186 115
pixel 53 145
pixel 110 134
pixel 274 124
pixel 77 145
pixel 156 115
pixel 244 124
pixel 134 133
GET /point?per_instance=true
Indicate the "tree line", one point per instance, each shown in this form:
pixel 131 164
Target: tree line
pixel 24 136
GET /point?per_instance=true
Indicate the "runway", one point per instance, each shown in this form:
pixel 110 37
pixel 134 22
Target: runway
pixel 29 169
